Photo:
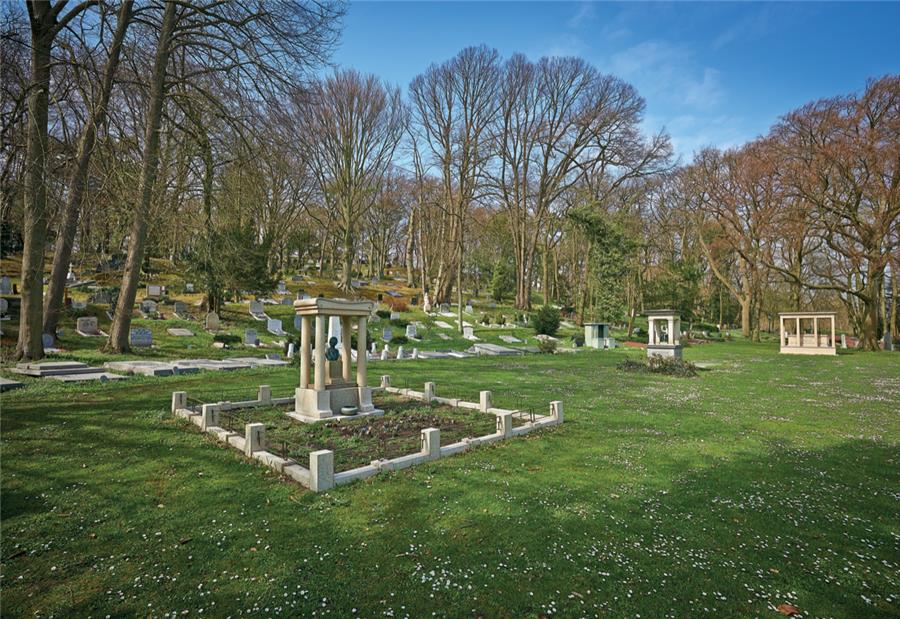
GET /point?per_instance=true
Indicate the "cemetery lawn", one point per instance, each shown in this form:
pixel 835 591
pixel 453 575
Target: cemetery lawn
pixel 766 480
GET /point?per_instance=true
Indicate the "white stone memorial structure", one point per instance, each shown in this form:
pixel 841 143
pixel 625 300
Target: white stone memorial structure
pixel 800 334
pixel 334 390
pixel 672 345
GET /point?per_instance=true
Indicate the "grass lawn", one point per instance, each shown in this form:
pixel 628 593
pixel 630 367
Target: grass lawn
pixel 767 479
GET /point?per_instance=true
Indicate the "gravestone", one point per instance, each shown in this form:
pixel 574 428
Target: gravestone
pixel 256 307
pixel 5 285
pixel 387 334
pixel 141 338
pixel 442 325
pixel 180 308
pixel 4 306
pixel 843 340
pixel 179 332
pixel 251 338
pixel 373 347
pixel 286 301
pixel 148 306
pixel 290 350
pixel 189 288
pixel 282 287
pixel 468 333
pixel 384 353
pixel 87 326
pixel 395 315
pixel 888 341
pixel 445 308
pixel 154 291
pixel 443 336
pixel 273 326
pixel 411 332
pixel 47 341
pixel 70 277
pixel 469 309
pixel 298 323
pixel 510 339
pixel 212 321
pixel 400 352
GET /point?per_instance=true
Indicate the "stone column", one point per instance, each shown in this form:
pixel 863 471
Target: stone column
pixel 781 336
pixel 816 330
pixel 345 348
pixel 304 352
pixel 833 341
pixel 799 335
pixel 361 352
pixel 320 353
pixel 651 332
pixel 671 334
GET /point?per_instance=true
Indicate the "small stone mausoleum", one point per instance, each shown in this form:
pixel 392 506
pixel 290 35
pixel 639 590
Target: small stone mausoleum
pixel 664 343
pixel 334 390
pixel 596 335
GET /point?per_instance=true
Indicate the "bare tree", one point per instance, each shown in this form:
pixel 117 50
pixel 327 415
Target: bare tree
pixel 454 104
pixel 353 124
pixel 79 174
pixel 46 20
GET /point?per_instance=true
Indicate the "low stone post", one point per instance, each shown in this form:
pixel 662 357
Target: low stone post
pixel 431 443
pixel 485 401
pixel 385 381
pixel 321 470
pixel 844 340
pixel 384 353
pixel 209 416
pixel 254 438
pixel 505 424
pixel 400 352
pixel 556 410
pixel 179 400
pixel 428 394
pixel 265 394
pixel 415 353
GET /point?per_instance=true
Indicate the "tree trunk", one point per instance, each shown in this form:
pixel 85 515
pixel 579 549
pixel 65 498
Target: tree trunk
pixel 118 337
pixel 78 182
pixel 410 249
pixel 43 30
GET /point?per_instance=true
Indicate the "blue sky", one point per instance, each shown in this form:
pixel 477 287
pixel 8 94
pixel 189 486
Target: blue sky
pixel 711 73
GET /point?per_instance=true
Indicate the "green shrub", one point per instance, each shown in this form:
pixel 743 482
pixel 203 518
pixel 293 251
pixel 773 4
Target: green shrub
pixel 227 338
pixel 578 339
pixel 500 319
pixel 383 314
pixel 668 366
pixel 547 346
pixel 485 320
pixel 545 321
pixel 400 322
pixel 399 339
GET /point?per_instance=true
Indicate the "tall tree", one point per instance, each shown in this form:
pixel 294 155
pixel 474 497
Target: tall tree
pixel 353 125
pixel 46 20
pixel 79 173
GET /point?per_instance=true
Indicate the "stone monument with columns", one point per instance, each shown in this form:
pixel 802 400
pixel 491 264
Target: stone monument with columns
pixel 334 391
pixel 656 346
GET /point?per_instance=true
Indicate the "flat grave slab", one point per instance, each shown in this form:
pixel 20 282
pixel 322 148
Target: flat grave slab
pixel 261 361
pixel 210 364
pixel 51 368
pixel 96 374
pixel 7 384
pixel 443 325
pixel 510 339
pixel 148 368
pixel 486 348
pixel 180 332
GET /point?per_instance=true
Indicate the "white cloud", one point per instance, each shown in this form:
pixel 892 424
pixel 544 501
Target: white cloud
pixel 669 72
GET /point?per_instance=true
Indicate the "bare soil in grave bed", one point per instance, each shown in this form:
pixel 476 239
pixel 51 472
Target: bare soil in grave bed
pixel 356 442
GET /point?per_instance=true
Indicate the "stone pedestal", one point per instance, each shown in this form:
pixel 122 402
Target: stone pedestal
pixel 664 350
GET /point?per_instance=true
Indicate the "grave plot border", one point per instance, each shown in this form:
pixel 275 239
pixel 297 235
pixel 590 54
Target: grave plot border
pixel 319 474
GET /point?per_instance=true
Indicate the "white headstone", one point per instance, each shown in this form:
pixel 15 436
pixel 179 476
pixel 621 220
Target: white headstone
pixel 282 287
pixel 411 331
pixel 415 353
pixel 290 351
pixel 154 291
pixel 843 340
pixel 399 352
pixel 395 315
pixel 469 309
pixel 189 287
pixel 468 332
pixel 5 285
pixel 426 303
pixel 273 326
pixel 334 329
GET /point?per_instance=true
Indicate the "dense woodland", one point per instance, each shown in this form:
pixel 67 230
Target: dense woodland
pixel 218 136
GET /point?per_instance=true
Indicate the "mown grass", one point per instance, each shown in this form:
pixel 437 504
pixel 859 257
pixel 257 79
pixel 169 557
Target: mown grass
pixel 766 479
